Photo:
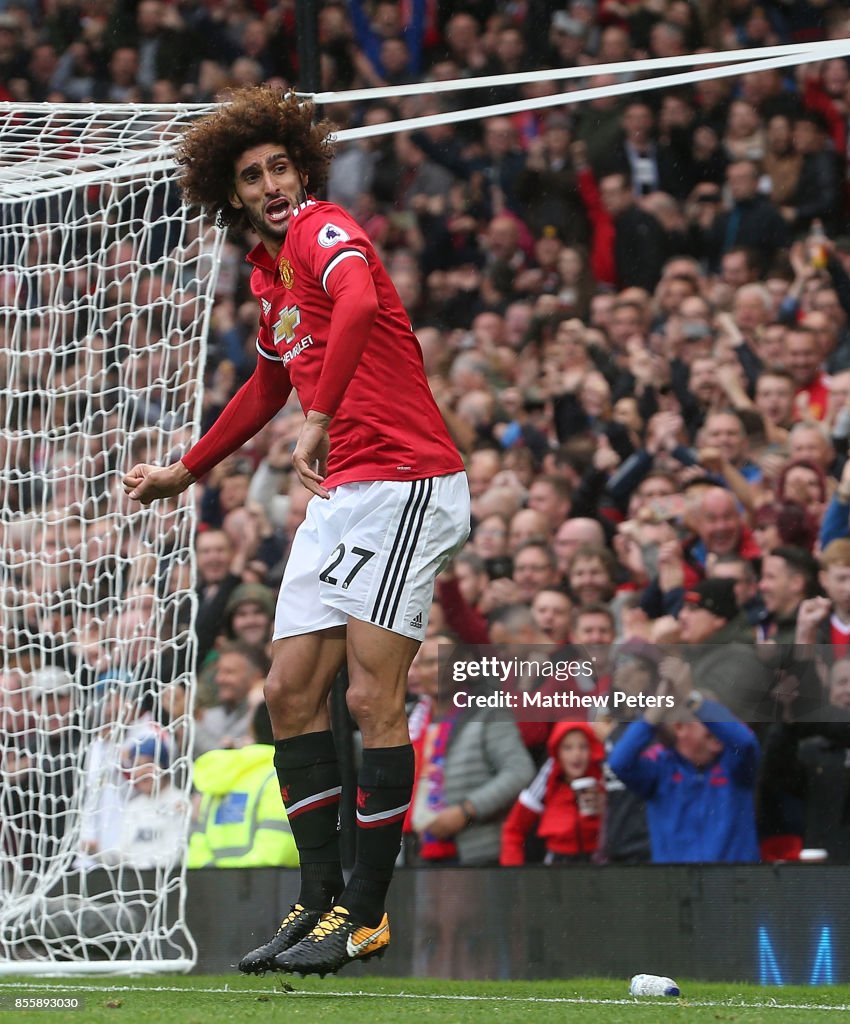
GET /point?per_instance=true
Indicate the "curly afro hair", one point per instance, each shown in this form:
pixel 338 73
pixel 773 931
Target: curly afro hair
pixel 209 149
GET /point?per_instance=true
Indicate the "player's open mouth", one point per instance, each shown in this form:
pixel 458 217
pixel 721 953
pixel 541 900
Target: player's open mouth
pixel 278 210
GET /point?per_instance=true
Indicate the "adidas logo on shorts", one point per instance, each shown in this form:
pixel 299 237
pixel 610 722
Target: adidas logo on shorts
pixel 416 621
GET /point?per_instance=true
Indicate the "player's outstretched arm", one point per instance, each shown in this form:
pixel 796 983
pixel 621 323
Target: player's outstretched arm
pixel 262 396
pixel 147 483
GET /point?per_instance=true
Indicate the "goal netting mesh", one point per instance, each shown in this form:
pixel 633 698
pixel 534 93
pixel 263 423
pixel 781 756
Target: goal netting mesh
pixel 106 287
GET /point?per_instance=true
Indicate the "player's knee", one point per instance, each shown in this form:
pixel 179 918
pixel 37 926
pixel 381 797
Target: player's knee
pixel 285 701
pixel 374 708
pixel 363 701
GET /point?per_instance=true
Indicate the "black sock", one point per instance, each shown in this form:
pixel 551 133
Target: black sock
pixel 308 773
pixel 385 784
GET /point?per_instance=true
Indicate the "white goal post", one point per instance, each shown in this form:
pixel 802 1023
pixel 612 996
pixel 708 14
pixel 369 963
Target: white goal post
pixel 106 289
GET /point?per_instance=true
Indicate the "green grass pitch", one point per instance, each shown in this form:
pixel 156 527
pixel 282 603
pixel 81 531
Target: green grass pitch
pixel 206 999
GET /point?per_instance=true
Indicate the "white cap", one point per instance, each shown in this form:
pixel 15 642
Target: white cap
pixel 51 682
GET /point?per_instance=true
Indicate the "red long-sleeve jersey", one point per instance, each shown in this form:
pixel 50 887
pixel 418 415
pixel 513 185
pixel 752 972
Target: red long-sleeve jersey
pixel 333 327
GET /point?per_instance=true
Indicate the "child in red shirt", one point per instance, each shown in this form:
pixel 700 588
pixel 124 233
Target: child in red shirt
pixel 568 816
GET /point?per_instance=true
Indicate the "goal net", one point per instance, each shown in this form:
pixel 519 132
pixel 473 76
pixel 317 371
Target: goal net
pixel 106 287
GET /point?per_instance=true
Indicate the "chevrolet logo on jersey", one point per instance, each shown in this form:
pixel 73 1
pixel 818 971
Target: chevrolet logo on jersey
pixel 284 328
pixel 297 349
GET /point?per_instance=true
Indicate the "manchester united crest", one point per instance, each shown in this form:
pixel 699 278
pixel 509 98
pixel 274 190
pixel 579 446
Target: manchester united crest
pixel 287 274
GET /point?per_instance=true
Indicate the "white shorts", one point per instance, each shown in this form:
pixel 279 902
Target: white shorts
pixel 371 551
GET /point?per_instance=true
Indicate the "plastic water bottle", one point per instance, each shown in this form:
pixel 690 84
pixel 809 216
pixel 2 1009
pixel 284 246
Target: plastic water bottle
pixel 653 985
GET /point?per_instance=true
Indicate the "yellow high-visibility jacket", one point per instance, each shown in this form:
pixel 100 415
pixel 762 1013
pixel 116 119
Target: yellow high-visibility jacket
pixel 241 822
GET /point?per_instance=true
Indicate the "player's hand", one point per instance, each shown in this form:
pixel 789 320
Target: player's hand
pixel 310 457
pixel 147 483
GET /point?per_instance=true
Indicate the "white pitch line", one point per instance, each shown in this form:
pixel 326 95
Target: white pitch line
pixel 571 1000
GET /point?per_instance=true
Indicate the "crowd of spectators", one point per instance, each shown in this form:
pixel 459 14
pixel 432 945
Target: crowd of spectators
pixel 634 314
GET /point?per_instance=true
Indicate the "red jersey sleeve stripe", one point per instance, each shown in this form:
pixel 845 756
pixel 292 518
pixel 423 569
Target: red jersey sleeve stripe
pixel 336 259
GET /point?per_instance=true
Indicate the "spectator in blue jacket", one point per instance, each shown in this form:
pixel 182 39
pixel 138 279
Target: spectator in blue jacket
pixel 699 791
pixel 384 25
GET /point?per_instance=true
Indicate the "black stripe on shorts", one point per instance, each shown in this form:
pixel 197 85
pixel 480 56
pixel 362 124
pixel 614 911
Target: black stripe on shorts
pixel 401 554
